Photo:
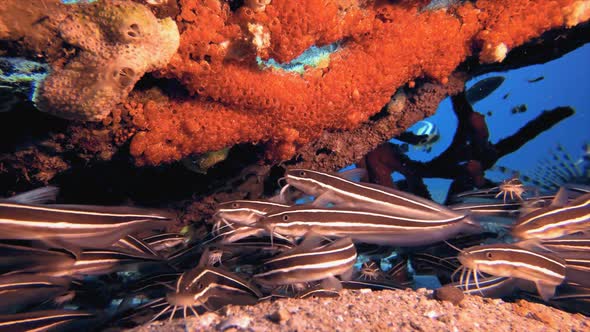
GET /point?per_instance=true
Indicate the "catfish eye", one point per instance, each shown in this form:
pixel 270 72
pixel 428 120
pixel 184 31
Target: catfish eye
pixel 200 286
pixel 488 255
pixel 235 205
pixel 302 173
pixel 285 217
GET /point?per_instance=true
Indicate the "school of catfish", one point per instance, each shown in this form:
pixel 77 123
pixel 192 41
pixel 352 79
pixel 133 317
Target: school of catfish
pixel 67 266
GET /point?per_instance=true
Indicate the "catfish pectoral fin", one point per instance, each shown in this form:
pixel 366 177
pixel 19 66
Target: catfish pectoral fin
pixel 546 290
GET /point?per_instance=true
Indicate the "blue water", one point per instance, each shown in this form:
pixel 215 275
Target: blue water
pixel 566 83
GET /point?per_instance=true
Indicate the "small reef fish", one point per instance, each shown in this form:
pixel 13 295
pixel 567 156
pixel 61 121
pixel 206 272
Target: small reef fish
pixel 423 135
pixel 366 226
pixel 431 135
pixel 505 260
pixel 519 109
pixel 202 163
pixel 310 261
pixel 536 79
pixel 483 88
pixel 342 192
pixel 557 220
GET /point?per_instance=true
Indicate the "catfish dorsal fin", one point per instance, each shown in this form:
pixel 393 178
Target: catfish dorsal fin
pixel 355 174
pixel 560 199
pixel 36 196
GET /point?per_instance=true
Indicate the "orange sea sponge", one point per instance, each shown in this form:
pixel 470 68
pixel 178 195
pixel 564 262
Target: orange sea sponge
pixel 509 23
pixel 384 45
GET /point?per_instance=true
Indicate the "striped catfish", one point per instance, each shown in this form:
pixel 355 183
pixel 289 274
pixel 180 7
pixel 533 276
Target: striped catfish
pixel 23 259
pixel 203 284
pixel 309 261
pixel 555 221
pixel 49 320
pixel 330 188
pixel 104 261
pixel 18 292
pixel 165 241
pixel 509 209
pixel 495 287
pixel 578 267
pixel 74 225
pixel 328 287
pixel 376 285
pixel 508 260
pixel 134 244
pixel 574 242
pixel 245 212
pixel 366 226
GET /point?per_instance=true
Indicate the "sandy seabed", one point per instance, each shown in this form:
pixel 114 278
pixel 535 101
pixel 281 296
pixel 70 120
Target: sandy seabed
pixel 365 310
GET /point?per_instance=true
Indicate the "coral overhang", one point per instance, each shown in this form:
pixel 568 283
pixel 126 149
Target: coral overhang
pixel 385 44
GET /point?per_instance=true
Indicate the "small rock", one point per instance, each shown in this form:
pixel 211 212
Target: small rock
pixel 207 319
pixel 432 314
pixel 241 322
pixel 280 316
pixel 449 293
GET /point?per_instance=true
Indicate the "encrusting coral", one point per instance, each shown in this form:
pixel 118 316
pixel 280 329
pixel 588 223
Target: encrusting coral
pixel 109 44
pixel 384 45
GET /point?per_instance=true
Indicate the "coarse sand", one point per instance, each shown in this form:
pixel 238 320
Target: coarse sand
pixel 365 310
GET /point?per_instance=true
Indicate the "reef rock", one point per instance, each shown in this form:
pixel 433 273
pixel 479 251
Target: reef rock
pixel 109 45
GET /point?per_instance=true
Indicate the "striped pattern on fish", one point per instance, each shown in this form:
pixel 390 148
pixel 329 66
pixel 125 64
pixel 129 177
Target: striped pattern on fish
pixel 197 286
pixel 45 320
pixel 309 262
pixel 87 226
pixel 364 226
pixel 505 260
pixel 342 192
pixel 553 222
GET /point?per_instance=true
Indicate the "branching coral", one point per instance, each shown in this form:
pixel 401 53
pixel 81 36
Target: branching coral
pixel 384 44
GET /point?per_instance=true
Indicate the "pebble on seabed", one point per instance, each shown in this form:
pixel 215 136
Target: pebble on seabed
pixel 450 294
